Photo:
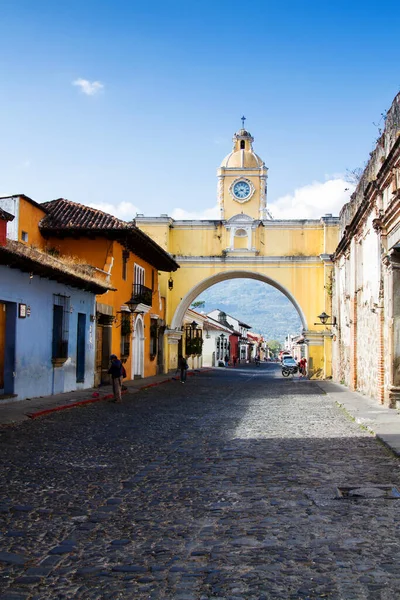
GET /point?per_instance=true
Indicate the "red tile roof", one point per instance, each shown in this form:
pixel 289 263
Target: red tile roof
pixel 64 213
pixel 66 218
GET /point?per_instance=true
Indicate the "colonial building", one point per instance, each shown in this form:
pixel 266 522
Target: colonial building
pixel 129 318
pixel 294 256
pixel 366 284
pixel 191 343
pixel 217 343
pixel 47 321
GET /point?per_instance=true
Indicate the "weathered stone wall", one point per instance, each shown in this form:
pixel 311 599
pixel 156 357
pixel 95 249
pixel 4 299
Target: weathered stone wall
pixel 364 291
pixel 382 149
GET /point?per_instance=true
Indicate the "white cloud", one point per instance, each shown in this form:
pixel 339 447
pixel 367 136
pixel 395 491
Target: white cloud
pixel 313 201
pixel 182 215
pixel 124 210
pixel 90 88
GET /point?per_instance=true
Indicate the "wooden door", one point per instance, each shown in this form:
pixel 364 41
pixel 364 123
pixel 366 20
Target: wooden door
pixel 99 354
pixel 81 348
pixel 2 341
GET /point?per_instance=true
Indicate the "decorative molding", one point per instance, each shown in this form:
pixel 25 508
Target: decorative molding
pixel 207 260
pixel 173 336
pixel 326 259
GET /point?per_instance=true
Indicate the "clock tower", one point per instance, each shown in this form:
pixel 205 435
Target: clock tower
pixel 242 181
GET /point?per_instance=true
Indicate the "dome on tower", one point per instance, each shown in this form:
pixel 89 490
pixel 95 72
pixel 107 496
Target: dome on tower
pixel 242 155
pixel 242 159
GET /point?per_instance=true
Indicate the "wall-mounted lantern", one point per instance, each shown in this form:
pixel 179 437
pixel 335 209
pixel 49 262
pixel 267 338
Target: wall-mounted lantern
pixel 170 283
pixel 323 317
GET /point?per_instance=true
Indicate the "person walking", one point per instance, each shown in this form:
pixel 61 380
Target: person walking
pixel 183 367
pixel 116 372
pixel 303 366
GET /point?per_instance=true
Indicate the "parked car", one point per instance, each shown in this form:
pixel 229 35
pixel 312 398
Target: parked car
pixel 285 356
pixel 289 366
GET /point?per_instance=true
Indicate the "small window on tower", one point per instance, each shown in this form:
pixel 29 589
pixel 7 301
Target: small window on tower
pixel 242 144
pixel 24 236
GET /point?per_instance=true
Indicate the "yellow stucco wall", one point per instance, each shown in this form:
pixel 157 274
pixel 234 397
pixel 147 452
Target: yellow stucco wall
pixel 286 254
pixel 29 218
pixel 106 255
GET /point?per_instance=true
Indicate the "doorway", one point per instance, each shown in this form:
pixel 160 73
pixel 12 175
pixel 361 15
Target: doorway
pixel 3 315
pixel 80 348
pixel 138 349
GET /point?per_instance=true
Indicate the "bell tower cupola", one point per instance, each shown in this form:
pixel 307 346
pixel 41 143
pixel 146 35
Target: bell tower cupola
pixel 242 180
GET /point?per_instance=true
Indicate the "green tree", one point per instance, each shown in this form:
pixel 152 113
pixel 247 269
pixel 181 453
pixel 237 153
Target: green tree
pixel 274 347
pixel 198 304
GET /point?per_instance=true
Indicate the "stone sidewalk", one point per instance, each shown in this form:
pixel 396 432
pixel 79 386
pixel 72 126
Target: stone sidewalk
pixel 383 422
pixel 12 412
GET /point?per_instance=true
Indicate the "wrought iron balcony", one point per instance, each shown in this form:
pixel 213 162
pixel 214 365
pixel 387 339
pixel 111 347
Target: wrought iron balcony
pixel 141 294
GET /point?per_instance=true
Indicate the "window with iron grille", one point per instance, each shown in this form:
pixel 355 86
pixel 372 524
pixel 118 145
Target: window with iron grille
pixel 61 312
pixel 138 275
pixel 153 338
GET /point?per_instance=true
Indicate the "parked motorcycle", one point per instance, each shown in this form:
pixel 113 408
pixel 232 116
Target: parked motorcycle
pixel 289 367
pixel 286 371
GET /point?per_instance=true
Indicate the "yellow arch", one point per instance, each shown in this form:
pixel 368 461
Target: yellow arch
pixel 223 276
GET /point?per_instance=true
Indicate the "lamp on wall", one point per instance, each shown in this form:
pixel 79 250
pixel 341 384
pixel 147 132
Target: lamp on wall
pixel 323 317
pixel 170 283
pixel 132 304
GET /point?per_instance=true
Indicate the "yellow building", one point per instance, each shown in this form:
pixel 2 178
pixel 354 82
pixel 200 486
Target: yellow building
pixel 294 256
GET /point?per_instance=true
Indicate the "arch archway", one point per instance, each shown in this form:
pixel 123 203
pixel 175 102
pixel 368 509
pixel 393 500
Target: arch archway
pixel 138 348
pixel 225 275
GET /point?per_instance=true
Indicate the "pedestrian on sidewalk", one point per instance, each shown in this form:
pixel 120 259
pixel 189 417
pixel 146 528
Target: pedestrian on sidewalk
pixel 303 367
pixel 116 372
pixel 183 367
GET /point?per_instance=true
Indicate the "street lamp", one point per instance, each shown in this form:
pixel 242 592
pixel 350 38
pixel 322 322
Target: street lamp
pixel 132 304
pixel 323 317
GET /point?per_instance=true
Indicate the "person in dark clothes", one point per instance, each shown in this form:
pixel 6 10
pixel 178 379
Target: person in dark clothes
pixel 182 366
pixel 115 371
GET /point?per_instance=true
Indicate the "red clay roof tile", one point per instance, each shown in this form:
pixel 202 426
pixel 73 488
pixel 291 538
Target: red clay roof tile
pixel 66 214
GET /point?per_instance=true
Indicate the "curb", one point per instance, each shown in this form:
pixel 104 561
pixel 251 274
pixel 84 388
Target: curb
pixel 47 411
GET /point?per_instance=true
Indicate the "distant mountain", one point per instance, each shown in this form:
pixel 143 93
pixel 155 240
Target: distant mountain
pixel 258 304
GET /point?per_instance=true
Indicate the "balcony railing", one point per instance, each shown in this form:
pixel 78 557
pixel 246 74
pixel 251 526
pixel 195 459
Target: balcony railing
pixel 141 294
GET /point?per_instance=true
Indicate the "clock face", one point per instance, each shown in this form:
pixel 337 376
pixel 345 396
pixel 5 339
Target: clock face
pixel 241 190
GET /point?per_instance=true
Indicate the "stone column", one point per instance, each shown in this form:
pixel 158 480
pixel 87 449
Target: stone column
pixel 220 197
pixel 315 354
pixel 263 198
pixel 172 336
pixel 392 263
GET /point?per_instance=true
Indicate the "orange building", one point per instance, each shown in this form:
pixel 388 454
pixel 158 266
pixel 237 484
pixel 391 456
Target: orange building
pixel 130 318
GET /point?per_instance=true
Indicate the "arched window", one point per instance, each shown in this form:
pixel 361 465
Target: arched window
pixel 240 233
pixel 242 144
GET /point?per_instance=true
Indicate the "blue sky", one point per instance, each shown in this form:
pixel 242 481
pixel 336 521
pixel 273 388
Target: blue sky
pixel 131 106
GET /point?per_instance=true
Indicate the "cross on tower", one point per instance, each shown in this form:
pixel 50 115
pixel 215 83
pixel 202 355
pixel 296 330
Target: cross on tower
pixel 243 120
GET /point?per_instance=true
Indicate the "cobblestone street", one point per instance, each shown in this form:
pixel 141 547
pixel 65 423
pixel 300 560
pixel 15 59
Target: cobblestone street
pixel 225 487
